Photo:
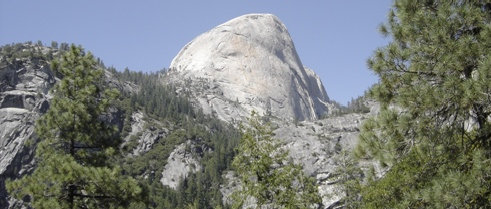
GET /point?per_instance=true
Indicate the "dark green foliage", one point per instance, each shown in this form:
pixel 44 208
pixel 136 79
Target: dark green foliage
pixel 356 105
pixel 15 54
pixel 266 173
pixel 11 53
pixel 72 157
pixel 155 99
pixel 54 44
pixel 64 47
pixel 433 130
pixel 202 186
pixel 348 175
pixel 201 189
pixel 158 103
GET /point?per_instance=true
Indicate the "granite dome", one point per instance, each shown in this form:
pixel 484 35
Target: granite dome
pixel 249 63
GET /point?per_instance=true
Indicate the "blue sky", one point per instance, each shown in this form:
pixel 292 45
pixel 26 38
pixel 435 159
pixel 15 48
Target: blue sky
pixel 333 37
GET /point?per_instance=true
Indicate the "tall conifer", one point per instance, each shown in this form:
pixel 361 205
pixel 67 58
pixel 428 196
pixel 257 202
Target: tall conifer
pixel 75 144
pixel 267 175
pixel 434 129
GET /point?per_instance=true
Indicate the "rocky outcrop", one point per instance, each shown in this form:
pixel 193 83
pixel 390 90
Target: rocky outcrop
pixel 24 86
pixel 183 160
pixel 248 63
pixel 146 132
pixel 317 146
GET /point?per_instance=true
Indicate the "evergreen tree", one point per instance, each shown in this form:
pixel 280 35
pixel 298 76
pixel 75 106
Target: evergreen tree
pixel 433 130
pixel 54 44
pixel 267 175
pixel 76 142
pixel 348 176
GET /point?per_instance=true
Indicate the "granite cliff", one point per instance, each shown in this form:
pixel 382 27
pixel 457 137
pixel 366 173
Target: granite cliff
pixel 249 63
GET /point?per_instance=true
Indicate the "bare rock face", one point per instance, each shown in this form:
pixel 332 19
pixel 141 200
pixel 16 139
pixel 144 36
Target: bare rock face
pixel 248 63
pixel 317 146
pixel 24 85
pixel 146 131
pixel 183 160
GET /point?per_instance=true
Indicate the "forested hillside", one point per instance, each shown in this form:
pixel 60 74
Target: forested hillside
pixel 161 109
pixel 158 102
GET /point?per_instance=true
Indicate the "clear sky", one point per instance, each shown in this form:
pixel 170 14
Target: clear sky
pixel 333 37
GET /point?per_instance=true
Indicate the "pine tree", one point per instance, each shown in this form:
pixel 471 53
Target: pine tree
pixel 348 175
pixel 433 130
pixel 267 175
pixel 76 142
pixel 54 44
